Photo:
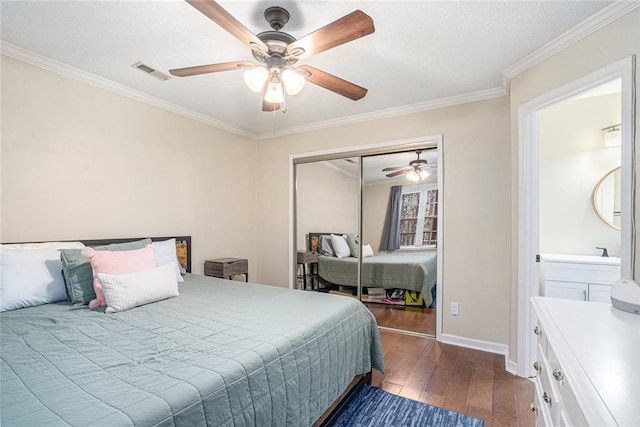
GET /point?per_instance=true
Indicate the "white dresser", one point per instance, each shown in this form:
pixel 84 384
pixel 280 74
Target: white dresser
pixel 588 364
pixel 580 277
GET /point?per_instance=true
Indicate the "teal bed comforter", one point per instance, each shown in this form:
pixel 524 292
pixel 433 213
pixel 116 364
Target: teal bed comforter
pixel 222 354
pixel 414 271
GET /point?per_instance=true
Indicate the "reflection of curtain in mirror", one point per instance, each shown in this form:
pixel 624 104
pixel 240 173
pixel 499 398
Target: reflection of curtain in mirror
pixel 391 231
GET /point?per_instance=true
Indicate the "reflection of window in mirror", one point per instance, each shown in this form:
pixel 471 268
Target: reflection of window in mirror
pixel 607 198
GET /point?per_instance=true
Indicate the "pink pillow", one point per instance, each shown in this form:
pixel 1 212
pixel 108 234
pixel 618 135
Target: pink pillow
pixel 117 262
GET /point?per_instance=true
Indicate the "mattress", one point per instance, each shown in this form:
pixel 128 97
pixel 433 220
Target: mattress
pixel 223 353
pixel 414 271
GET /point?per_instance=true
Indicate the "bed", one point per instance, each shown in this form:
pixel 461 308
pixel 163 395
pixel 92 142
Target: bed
pixel 221 353
pixel 414 271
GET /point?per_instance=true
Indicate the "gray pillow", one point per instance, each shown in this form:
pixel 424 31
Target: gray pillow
pixel 326 248
pixel 77 272
pixel 354 247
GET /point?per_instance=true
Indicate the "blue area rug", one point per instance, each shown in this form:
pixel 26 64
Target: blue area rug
pixel 375 407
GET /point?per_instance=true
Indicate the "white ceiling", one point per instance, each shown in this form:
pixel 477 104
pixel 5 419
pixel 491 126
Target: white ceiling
pixel 421 51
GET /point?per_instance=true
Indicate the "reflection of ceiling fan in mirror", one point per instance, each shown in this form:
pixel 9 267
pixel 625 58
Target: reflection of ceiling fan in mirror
pixel 416 170
pixel 276 52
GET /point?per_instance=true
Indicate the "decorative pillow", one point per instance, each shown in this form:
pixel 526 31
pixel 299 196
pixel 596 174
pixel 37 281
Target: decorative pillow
pixel 367 251
pixel 165 252
pixel 352 241
pixel 326 248
pixel 340 246
pixel 125 291
pixel 117 262
pixel 181 253
pixel 77 273
pixel 30 277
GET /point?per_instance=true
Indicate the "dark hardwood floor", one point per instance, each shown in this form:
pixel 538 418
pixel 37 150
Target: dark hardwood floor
pixel 459 379
pixel 412 319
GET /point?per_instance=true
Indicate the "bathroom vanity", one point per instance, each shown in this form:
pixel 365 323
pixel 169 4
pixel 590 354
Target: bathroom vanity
pixel 579 277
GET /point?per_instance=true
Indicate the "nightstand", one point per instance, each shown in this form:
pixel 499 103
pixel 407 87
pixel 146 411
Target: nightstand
pixel 302 259
pixel 227 268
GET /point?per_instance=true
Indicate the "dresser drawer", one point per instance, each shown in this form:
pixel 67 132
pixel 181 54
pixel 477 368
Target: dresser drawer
pixel 549 394
pixel 570 412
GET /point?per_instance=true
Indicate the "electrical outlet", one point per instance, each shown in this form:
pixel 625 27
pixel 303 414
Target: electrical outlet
pixel 455 309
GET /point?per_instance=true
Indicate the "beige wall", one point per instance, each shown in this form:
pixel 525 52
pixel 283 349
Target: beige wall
pixel 572 161
pixel 476 205
pixel 374 210
pixel 609 44
pixel 82 162
pixel 327 201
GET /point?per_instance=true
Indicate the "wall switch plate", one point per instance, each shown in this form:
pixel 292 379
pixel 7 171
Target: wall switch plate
pixel 455 309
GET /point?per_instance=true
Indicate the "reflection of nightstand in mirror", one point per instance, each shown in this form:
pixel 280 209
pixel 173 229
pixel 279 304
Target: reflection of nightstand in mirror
pixel 303 258
pixel 226 268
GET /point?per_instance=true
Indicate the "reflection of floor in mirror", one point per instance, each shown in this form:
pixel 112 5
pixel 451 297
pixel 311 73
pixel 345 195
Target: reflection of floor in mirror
pixel 413 319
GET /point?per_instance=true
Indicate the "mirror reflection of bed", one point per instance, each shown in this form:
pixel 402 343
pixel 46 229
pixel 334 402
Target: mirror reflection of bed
pixel 398 282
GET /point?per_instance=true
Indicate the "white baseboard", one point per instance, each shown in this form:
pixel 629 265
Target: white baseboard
pixel 488 346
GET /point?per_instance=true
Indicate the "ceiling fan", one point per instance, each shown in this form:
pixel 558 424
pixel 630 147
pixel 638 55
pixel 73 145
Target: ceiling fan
pixel 276 52
pixel 415 170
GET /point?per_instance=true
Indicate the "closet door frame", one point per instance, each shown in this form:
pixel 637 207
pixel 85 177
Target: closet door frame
pixel 432 141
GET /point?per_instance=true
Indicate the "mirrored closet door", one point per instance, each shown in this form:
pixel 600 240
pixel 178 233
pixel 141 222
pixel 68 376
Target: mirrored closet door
pixel 327 200
pixel 400 226
pixel 367 227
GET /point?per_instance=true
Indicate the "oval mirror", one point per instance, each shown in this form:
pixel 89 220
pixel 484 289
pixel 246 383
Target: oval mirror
pixel 606 198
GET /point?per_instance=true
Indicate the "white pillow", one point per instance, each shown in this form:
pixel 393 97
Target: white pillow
pixel 125 291
pixel 44 245
pixel 166 253
pixel 367 250
pixel 30 277
pixel 340 246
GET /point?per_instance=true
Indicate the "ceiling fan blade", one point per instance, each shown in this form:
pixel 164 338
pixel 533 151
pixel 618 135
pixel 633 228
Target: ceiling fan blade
pixel 393 168
pixel 348 28
pixel 400 172
pixel 224 19
pixel 211 68
pixel 333 83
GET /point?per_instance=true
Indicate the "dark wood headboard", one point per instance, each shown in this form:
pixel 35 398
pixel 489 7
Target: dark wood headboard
pixel 99 242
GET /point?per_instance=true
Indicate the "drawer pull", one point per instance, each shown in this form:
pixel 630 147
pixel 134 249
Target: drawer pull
pixel 532 406
pixel 557 374
pixel 536 366
pixel 547 398
pixel 537 331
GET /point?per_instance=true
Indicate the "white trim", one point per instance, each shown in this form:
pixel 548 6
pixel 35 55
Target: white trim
pixel 528 208
pixel 49 64
pixel 435 104
pixel 573 35
pixel 488 346
pixel 438 139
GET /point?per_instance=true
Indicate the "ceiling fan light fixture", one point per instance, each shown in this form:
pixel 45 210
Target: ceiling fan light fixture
pixel 413 176
pixel 255 78
pixel 274 93
pixel 293 82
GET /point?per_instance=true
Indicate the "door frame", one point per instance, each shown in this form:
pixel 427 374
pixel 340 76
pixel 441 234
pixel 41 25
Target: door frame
pixel 437 141
pixel 528 187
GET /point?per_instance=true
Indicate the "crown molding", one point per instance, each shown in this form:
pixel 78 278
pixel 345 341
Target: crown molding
pixel 49 64
pixel 451 101
pixel 575 34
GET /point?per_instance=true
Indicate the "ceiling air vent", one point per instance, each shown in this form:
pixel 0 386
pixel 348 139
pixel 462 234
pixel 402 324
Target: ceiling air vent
pixel 151 71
